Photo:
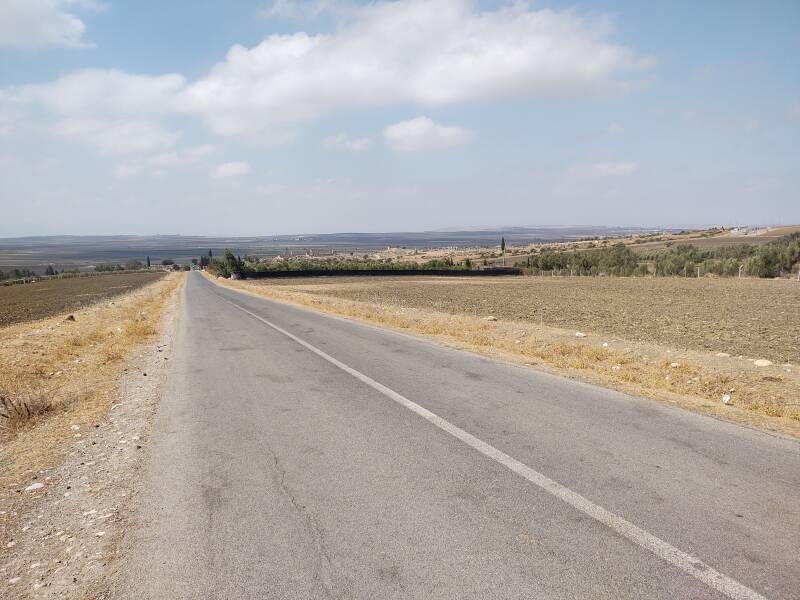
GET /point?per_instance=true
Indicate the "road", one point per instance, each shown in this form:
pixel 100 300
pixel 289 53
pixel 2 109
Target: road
pixel 300 455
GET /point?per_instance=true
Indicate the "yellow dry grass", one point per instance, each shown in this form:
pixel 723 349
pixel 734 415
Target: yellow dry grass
pixel 763 398
pixel 67 370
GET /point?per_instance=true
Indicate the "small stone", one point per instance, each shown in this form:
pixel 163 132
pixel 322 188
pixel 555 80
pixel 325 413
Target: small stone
pixel 70 318
pixel 490 318
pixel 37 485
pixel 762 362
pixel 11 544
pixel 580 334
pixel 723 354
pixel 726 398
pixel 605 344
pixel 14 580
pixel 674 365
pixel 100 533
pixel 616 367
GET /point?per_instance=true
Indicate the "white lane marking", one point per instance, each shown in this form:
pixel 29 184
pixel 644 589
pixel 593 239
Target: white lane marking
pixel 686 562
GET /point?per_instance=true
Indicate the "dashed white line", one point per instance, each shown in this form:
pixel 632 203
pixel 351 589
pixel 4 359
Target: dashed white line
pixel 686 562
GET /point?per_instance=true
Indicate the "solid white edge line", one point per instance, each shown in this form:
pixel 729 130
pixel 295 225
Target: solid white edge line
pixel 686 562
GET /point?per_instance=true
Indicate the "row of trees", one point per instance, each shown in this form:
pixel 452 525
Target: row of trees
pixel 771 260
pixel 231 264
pixel 16 274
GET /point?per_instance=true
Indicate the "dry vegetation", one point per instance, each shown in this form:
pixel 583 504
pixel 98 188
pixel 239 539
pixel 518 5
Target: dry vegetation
pixel 27 302
pixel 663 338
pixel 59 373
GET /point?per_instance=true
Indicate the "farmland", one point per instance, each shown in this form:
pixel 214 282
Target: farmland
pixel 42 299
pixel 752 317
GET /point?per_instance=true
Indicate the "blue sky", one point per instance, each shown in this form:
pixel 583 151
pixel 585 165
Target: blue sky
pixel 278 117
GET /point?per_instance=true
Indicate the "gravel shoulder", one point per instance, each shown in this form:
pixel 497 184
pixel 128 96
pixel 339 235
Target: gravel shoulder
pixel 62 525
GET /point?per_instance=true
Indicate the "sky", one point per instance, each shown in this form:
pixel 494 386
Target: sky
pixel 274 117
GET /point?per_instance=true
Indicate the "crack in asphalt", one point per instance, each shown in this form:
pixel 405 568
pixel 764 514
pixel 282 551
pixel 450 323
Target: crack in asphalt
pixel 324 562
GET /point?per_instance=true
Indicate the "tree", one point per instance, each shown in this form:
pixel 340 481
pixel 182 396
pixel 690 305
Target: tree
pixel 49 270
pixel 167 262
pixel 148 262
pixel 503 244
pixel 210 257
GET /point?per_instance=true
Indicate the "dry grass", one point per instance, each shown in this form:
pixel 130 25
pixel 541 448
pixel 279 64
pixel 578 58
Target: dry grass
pixel 763 397
pixel 58 373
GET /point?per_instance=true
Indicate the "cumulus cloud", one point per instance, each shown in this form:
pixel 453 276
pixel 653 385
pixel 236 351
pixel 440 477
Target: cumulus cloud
pixel 614 169
pixel 104 91
pixel 414 51
pixel 382 54
pixel 121 136
pixel 423 134
pixel 341 141
pixel 230 169
pixel 31 23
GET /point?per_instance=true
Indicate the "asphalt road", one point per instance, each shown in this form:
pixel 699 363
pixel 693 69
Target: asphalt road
pixel 299 455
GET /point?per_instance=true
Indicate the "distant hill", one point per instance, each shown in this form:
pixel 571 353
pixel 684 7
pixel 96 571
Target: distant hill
pixel 82 252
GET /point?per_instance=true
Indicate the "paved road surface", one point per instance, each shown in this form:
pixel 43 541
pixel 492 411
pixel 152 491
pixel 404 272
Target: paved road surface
pixel 298 455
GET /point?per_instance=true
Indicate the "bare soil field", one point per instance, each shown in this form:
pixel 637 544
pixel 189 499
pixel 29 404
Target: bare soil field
pixel 31 301
pixel 754 317
pixel 691 342
pixel 77 397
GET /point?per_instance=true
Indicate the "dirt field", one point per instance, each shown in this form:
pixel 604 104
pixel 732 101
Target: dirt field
pixel 30 301
pixel 757 318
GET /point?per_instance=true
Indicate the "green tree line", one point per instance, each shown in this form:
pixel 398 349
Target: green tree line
pixel 775 259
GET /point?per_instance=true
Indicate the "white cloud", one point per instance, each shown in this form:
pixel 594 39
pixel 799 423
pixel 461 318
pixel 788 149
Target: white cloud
pixel 413 51
pixel 230 169
pixel 104 91
pixel 341 141
pixel 423 134
pixel 31 23
pixel 615 129
pixel 614 169
pixel 120 136
pixel 383 54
